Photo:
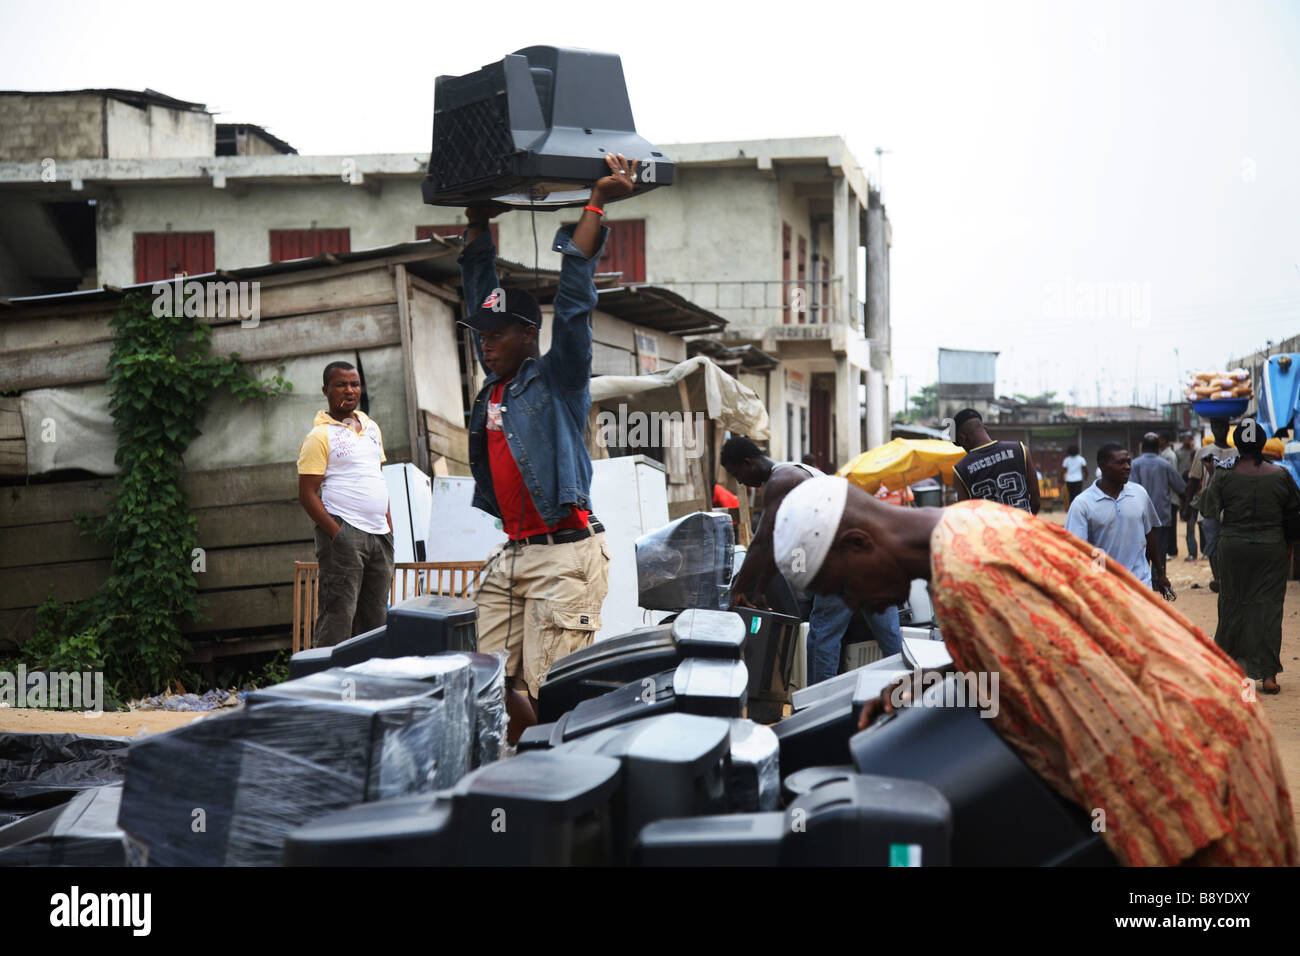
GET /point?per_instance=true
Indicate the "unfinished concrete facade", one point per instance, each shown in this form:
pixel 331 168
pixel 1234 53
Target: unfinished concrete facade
pixel 786 239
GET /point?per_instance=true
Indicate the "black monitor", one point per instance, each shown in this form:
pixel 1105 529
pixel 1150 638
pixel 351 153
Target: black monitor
pixel 538 809
pixel 674 765
pixel 848 820
pixel 1003 813
pixel 533 129
pixel 608 665
pixel 686 563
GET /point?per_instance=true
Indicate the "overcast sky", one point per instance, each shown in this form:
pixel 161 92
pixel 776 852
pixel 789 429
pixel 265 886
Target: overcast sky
pixel 1083 187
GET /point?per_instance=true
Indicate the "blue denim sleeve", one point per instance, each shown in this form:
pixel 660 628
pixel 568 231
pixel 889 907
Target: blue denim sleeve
pixel 575 297
pixel 478 277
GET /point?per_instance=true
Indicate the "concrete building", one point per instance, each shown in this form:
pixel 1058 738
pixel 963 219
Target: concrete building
pixel 785 239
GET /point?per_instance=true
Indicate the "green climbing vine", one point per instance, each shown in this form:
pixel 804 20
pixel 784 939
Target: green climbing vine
pixel 161 375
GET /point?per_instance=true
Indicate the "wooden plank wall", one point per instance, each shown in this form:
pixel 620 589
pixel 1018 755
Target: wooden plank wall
pixel 250 523
pixel 251 528
pixel 13 446
pixel 447 440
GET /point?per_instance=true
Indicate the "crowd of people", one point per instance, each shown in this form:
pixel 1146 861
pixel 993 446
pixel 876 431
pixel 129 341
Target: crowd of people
pixel 1115 699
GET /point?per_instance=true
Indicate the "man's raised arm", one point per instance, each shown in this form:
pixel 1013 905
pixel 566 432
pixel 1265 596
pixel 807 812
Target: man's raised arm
pixel 478 263
pixel 581 247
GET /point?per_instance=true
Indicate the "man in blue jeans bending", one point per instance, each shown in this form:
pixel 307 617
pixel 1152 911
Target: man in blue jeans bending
pixel 830 615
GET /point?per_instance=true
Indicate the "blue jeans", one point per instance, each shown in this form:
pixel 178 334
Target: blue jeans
pixel 884 626
pixel 826 626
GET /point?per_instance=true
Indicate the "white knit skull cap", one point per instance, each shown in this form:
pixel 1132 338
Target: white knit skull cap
pixel 806 524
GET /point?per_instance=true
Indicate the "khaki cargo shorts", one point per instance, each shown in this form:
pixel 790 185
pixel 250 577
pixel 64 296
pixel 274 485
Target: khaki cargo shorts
pixel 552 609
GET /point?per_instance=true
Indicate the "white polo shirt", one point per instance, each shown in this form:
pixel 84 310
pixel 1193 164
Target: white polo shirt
pixel 354 486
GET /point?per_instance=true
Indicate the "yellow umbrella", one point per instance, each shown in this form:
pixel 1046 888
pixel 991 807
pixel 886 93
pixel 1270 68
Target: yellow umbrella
pixel 902 462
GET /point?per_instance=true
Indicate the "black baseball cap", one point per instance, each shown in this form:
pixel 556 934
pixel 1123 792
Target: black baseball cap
pixel 503 306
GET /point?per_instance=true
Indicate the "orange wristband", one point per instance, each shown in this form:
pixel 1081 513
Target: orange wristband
pixel 596 209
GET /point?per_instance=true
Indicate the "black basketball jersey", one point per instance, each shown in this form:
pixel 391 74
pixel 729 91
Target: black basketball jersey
pixel 996 472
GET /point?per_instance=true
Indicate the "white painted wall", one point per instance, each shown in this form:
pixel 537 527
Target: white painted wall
pixel 157 132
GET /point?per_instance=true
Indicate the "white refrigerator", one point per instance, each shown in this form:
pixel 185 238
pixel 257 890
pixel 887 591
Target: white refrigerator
pixel 629 497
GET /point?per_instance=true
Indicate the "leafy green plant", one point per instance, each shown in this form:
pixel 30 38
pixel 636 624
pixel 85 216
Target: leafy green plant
pixel 161 376
pixel 274 671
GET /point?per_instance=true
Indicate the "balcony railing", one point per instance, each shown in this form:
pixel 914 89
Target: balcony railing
pixel 753 303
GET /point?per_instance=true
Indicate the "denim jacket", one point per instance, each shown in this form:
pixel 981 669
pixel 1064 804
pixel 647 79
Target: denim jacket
pixel 544 408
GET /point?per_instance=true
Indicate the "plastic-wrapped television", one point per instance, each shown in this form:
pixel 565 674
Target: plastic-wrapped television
pixel 686 563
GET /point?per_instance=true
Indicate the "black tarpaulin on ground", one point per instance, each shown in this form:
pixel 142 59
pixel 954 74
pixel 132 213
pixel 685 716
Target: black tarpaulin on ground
pixel 38 771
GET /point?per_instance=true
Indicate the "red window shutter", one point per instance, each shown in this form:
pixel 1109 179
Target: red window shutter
pixel 451 232
pixel 306 243
pixel 163 255
pixel 625 250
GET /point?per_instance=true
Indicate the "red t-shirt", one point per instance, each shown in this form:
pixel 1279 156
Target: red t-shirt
pixel 508 483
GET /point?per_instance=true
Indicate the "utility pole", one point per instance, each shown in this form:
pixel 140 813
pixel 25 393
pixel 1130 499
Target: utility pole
pixel 880 167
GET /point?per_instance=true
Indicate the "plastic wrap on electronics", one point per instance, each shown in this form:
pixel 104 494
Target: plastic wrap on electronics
pixel 487 710
pixel 41 770
pixel 686 563
pixel 227 788
pixel 81 832
pixel 755 781
pixel 454 673
pixel 490 719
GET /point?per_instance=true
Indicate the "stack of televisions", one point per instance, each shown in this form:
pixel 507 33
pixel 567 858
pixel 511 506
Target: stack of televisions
pixel 383 751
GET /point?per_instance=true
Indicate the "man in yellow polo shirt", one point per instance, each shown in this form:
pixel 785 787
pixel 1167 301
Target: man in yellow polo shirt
pixel 341 487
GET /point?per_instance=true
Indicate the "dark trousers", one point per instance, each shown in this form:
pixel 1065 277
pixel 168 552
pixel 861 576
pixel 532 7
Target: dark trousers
pixel 1192 550
pixel 356 579
pixel 1171 542
pixel 1074 488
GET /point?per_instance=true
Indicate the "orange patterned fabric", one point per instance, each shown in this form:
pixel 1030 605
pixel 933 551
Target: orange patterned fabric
pixel 1116 699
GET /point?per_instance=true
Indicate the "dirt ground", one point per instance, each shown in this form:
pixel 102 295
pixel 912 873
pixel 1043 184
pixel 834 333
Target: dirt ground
pixel 1198 604
pixel 126 724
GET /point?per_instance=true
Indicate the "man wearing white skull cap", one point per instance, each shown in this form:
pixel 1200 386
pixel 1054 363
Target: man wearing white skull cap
pixel 1114 698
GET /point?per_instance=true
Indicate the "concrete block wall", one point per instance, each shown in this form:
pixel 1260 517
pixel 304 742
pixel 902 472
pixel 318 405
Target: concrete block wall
pixel 33 128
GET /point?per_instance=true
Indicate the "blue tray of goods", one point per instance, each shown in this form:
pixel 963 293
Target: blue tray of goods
pixel 1220 408
pixel 1220 394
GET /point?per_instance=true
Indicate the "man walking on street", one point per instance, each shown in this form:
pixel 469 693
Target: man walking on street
pixel 1185 454
pixel 1073 466
pixel 1000 471
pixel 1117 516
pixel 1171 537
pixel 1202 470
pixel 830 615
pixel 1153 472
pixel 541 593
pixel 341 487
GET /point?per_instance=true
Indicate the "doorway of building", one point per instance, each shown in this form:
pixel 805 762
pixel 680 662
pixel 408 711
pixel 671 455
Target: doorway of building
pixel 819 401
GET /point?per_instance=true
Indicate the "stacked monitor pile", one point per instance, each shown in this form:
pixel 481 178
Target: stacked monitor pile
pixel 384 751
